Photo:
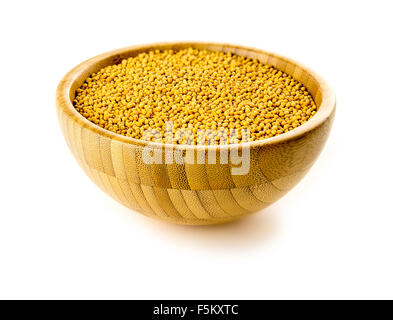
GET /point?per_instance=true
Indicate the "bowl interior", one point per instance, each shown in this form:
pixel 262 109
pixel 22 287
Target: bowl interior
pixel 319 90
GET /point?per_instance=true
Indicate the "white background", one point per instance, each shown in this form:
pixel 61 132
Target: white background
pixel 330 237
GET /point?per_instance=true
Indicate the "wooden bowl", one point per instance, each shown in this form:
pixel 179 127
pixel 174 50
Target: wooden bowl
pixel 194 194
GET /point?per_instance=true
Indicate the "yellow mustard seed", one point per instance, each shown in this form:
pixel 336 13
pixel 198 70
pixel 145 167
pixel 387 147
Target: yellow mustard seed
pixel 196 90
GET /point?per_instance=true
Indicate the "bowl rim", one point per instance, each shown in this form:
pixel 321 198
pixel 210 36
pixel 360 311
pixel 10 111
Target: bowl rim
pixel 63 102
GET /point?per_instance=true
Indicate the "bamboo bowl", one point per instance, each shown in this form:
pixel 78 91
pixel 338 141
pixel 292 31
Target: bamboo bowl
pixel 194 194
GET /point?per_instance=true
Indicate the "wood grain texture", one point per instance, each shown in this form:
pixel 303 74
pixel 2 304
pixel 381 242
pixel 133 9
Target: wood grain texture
pixel 194 194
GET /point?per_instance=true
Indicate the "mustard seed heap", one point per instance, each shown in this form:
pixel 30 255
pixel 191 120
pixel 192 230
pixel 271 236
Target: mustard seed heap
pixel 194 90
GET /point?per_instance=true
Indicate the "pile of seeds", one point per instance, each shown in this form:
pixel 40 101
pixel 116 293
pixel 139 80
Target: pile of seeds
pixel 192 90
